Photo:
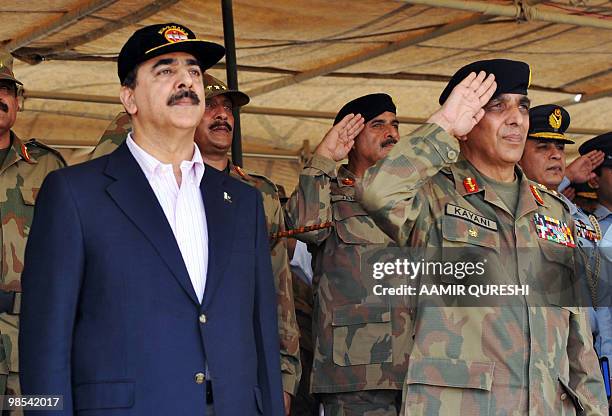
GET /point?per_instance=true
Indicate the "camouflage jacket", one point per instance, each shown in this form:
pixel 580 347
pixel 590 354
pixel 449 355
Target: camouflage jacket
pixel 485 360
pixel 25 167
pixel 361 341
pixel 291 369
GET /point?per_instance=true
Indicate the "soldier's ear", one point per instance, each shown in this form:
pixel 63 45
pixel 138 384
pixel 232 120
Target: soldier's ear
pixel 127 99
pixel 594 182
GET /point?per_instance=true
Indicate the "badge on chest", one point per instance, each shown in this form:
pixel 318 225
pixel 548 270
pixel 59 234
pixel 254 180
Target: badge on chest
pixel 552 229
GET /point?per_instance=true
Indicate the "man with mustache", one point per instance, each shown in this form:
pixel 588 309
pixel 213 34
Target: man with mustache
pixel 453 190
pixel 23 167
pixel 543 161
pixel 214 138
pixel 165 303
pixel 360 343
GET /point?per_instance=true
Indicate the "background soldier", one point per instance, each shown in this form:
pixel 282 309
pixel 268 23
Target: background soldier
pixel 361 344
pixel 602 183
pixel 214 139
pixel 543 161
pixel 23 166
pixel 442 192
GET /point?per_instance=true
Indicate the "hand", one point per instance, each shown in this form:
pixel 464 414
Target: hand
pixel 581 169
pixel 463 109
pixel 570 193
pixel 287 399
pixel 339 140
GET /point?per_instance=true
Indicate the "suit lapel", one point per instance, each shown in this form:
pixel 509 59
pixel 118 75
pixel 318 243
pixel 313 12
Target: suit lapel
pixel 133 194
pixel 219 203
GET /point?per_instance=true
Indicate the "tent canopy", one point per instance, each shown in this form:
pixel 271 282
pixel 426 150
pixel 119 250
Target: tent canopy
pixel 300 61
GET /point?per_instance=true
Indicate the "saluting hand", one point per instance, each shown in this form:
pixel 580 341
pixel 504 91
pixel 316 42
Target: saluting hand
pixel 339 140
pixel 581 169
pixel 463 108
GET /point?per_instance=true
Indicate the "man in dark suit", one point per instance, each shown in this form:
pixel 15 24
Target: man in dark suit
pixel 147 287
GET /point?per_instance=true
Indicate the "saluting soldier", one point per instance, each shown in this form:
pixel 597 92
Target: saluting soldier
pixel 454 185
pixel 24 165
pixel 214 139
pixel 361 341
pixel 543 161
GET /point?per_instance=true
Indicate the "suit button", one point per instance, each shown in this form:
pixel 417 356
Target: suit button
pixel 200 378
pixel 203 319
pixel 563 396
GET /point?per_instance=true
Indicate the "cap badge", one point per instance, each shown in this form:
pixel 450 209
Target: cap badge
pixel 555 119
pixel 175 34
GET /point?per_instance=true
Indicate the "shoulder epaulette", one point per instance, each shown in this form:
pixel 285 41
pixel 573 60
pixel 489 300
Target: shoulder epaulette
pixel 40 145
pixel 254 177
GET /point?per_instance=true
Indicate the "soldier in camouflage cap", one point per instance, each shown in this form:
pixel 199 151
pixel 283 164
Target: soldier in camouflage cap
pixel 214 139
pixel 361 342
pixel 23 166
pixel 454 184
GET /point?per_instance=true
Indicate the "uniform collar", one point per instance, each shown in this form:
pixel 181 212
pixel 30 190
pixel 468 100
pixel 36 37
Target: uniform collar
pixel 18 151
pixel 463 169
pixel 601 212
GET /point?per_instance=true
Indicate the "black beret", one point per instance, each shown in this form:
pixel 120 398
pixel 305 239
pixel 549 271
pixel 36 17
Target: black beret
pixel 156 40
pixel 602 142
pixel 369 106
pixel 512 77
pixel 550 122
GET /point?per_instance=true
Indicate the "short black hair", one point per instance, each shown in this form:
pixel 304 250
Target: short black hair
pixel 130 79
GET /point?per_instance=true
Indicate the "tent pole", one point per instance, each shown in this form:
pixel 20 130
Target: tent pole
pixel 232 74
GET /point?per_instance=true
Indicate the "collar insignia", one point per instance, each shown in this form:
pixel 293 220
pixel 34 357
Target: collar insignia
pixel 348 181
pixel 536 194
pixel 470 185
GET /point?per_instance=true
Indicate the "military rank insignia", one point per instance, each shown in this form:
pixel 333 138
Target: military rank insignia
pixel 586 231
pixel 24 151
pixel 470 185
pixel 348 181
pixel 551 229
pixel 536 194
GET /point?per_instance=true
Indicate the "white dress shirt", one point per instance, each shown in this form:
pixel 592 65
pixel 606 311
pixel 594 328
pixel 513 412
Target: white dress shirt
pixel 183 207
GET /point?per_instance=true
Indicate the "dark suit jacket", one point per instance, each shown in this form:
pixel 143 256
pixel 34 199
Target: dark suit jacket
pixel 109 317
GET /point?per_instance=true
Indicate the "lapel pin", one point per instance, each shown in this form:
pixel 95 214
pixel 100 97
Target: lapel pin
pixel 227 197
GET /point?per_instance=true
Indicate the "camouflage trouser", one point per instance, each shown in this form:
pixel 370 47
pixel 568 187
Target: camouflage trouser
pixel 9 380
pixel 362 403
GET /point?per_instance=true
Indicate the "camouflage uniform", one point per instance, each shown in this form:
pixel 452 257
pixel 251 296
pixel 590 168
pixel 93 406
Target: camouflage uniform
pixel 288 329
pixel 21 175
pixel 361 341
pixel 484 360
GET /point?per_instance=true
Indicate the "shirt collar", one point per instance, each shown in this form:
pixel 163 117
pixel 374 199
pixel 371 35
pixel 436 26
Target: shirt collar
pixel 151 166
pixel 601 212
